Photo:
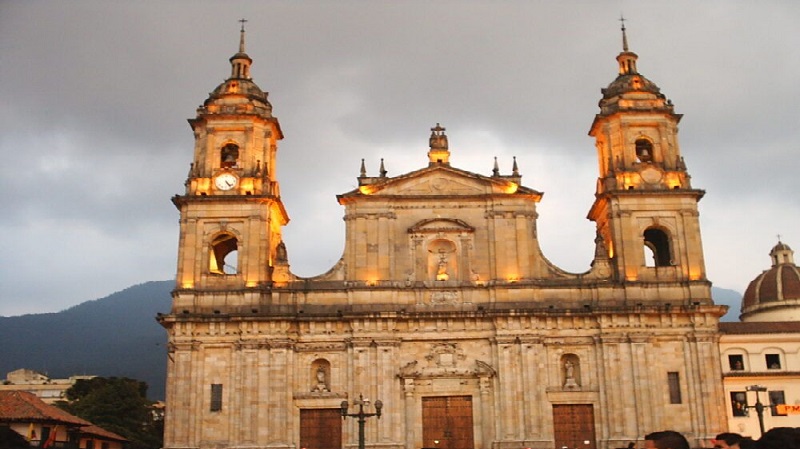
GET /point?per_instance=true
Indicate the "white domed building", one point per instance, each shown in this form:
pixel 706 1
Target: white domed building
pixel 761 354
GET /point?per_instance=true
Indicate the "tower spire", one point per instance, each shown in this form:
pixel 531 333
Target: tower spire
pixel 624 35
pixel 241 36
pixel 627 59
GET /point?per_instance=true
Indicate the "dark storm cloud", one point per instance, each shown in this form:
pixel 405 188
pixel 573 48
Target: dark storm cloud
pixel 95 97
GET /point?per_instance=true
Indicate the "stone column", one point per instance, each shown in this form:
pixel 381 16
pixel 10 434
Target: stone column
pixel 410 413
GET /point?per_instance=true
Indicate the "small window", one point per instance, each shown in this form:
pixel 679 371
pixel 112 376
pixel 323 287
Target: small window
pixel 736 362
pixel 656 244
pixel 776 398
pixel 674 382
pixel 216 397
pixel 739 403
pixel 773 361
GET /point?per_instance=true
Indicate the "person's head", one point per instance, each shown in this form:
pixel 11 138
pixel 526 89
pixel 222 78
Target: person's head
pixel 666 439
pixel 747 443
pixel 780 438
pixel 727 440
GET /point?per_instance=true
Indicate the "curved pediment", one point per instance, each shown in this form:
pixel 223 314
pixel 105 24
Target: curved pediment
pixel 436 225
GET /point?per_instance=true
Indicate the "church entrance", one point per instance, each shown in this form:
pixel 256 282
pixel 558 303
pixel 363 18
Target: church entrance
pixel 574 426
pixel 447 422
pixel 321 428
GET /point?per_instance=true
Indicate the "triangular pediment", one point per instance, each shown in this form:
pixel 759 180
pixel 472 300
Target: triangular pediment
pixel 440 181
pixel 437 183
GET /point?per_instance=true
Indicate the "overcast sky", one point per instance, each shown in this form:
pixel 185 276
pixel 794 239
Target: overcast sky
pixel 94 97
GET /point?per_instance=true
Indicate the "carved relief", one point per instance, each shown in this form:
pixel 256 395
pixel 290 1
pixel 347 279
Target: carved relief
pixel 445 354
pixel 449 297
pixel 445 360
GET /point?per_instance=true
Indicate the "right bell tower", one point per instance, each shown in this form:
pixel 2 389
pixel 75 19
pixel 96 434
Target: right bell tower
pixel 645 207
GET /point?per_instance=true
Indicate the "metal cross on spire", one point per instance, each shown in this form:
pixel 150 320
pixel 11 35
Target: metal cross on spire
pixel 624 36
pixel 241 36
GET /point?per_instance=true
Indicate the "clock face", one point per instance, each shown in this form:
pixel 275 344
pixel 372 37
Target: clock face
pixel 226 181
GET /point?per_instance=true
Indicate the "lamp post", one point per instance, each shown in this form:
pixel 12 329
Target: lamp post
pixel 759 406
pixel 361 415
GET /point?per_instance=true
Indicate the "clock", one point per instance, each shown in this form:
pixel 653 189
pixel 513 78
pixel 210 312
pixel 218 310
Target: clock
pixel 226 181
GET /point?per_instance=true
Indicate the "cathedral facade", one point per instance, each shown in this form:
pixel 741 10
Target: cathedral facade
pixel 443 306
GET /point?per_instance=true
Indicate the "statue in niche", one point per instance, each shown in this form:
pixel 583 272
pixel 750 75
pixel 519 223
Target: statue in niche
pixel 569 376
pixel 321 377
pixel 441 271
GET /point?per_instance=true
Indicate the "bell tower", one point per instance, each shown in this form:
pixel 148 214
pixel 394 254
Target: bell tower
pixel 645 207
pixel 231 213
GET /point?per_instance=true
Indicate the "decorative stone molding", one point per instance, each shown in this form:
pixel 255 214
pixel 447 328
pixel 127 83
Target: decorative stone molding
pixel 320 346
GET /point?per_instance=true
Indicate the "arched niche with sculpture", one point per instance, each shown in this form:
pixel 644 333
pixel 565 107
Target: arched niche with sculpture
pixel 570 372
pixel 442 260
pixel 320 376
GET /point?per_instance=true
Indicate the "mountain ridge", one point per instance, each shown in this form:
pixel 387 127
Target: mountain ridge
pixel 120 332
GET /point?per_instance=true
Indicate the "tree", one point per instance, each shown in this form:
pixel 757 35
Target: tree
pixel 117 404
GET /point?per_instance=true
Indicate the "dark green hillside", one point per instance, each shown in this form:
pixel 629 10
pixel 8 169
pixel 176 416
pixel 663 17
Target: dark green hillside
pixel 113 336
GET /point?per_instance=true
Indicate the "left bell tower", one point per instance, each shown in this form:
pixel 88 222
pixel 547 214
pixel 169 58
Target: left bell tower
pixel 231 213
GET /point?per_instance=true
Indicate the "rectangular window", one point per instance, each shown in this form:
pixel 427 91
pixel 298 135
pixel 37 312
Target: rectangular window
pixel 674 382
pixel 776 397
pixel 773 361
pixel 216 397
pixel 739 403
pixel 736 362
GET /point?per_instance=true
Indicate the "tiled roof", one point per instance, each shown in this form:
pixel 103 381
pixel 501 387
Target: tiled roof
pixel 16 406
pixel 757 327
pixel 102 433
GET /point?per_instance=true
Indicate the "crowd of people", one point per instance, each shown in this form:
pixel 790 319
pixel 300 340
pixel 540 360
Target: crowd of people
pixel 775 438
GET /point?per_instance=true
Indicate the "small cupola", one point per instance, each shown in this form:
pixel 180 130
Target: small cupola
pixel 630 80
pixel 439 152
pixel 239 93
pixel 781 254
pixel 240 62
pixel 627 59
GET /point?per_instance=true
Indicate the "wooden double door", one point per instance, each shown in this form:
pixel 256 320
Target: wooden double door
pixel 447 422
pixel 321 428
pixel 573 426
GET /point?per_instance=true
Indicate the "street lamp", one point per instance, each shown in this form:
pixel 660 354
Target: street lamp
pixel 759 406
pixel 361 415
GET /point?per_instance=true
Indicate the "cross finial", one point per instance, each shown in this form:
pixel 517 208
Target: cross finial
pixel 624 36
pixel 241 36
pixel 779 237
